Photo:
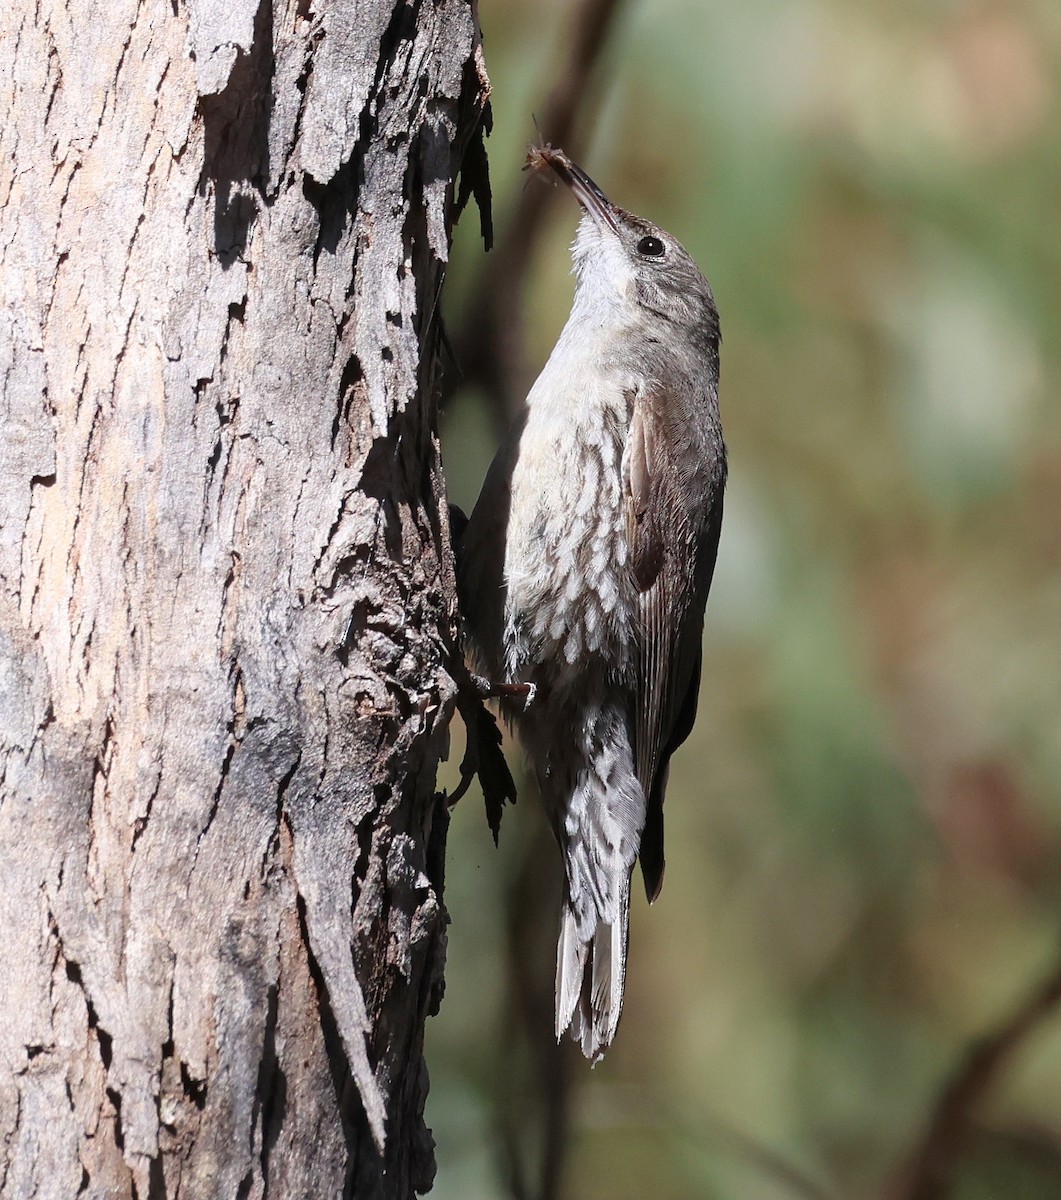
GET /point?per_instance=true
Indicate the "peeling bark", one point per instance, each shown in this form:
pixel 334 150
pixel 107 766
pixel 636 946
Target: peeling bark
pixel 226 596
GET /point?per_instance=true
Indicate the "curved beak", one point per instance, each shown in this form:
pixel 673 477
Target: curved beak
pixel 585 191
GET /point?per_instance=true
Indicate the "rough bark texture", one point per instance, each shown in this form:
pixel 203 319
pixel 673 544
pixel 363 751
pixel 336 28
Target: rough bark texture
pixel 225 591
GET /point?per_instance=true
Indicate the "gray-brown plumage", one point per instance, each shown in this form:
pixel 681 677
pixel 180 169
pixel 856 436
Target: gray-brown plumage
pixel 585 569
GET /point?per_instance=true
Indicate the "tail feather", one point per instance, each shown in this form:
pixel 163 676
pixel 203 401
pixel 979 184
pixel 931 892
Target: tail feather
pixel 591 977
pixel 571 954
pixel 598 810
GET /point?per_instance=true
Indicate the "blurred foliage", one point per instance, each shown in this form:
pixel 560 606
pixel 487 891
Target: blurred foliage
pixel 863 830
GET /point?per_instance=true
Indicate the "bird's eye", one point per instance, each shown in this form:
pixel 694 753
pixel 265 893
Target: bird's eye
pixel 651 247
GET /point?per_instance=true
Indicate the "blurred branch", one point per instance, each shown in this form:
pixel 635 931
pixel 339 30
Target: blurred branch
pixel 489 343
pixel 769 1162
pixel 929 1172
pixel 533 1127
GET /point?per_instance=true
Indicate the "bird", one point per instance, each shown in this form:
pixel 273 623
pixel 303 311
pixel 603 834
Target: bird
pixel 584 572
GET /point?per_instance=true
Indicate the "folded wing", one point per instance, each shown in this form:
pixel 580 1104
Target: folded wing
pixel 674 516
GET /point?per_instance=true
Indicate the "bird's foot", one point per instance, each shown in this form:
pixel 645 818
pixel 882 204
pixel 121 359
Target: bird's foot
pixel 483 756
pixel 485 689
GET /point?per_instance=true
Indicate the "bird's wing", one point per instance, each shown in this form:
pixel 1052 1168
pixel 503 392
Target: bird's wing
pixel 674 517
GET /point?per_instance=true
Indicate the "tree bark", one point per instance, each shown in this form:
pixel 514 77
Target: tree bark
pixel 226 595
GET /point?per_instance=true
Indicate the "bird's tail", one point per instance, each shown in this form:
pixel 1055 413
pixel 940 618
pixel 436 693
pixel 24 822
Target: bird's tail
pixel 591 975
pixel 598 810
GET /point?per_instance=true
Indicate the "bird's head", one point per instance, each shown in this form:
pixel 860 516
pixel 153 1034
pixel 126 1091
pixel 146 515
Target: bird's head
pixel 628 267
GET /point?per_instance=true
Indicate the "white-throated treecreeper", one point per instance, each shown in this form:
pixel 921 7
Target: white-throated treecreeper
pixel 585 568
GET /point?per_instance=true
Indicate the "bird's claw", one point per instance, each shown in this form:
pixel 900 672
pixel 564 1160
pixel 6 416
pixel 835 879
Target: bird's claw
pixel 486 689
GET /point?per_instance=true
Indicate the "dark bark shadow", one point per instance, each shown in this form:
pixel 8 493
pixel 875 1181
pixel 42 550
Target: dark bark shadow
pixel 236 131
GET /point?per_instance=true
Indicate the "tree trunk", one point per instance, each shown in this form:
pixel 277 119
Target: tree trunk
pixel 226 597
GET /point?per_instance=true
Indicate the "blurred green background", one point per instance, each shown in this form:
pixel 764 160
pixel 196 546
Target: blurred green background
pixel 863 830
